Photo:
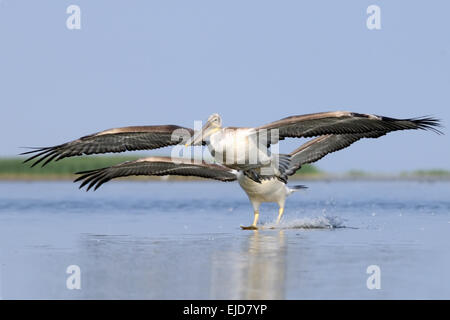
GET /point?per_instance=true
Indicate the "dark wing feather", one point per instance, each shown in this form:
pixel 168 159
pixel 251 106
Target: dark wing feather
pixel 318 148
pixel 155 166
pixel 113 141
pixel 343 122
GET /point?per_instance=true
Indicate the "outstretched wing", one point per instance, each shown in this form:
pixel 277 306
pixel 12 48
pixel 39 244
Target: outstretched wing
pixel 343 122
pixel 155 166
pixel 114 140
pixel 319 147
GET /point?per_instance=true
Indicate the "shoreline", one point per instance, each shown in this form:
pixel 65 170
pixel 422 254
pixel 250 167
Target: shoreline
pixel 298 177
pixel 13 169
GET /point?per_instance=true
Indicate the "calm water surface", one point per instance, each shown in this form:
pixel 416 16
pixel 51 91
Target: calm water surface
pixel 181 240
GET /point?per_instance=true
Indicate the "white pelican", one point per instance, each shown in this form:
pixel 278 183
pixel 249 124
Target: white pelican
pixel 249 146
pixel 335 131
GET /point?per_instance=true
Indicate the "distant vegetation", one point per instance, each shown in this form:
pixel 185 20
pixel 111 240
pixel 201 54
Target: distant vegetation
pixel 428 173
pixel 14 168
pixel 309 170
pixel 357 174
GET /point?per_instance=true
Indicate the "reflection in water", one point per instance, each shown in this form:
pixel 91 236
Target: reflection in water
pixel 257 271
pixel 126 267
pixel 266 266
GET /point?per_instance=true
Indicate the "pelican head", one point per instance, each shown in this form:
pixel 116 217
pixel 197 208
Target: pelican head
pixel 212 125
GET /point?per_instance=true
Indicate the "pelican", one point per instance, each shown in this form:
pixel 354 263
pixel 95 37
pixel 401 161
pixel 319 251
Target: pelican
pixel 246 149
pixel 332 131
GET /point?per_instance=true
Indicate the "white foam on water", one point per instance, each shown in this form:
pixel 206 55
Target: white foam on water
pixel 322 222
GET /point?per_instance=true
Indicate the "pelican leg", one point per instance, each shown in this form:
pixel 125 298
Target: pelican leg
pixel 280 214
pixel 255 221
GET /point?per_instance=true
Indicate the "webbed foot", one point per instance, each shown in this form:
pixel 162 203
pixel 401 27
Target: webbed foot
pixel 249 227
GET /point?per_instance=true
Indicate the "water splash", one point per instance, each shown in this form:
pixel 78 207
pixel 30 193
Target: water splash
pixel 322 222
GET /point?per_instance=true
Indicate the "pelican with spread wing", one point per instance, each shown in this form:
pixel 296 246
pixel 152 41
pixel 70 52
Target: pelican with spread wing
pixel 247 148
pixel 332 131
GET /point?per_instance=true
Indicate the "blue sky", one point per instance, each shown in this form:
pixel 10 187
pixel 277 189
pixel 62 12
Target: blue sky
pixel 160 62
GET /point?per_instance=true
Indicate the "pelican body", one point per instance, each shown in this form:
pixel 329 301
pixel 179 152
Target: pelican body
pixel 268 190
pixel 238 148
pixel 243 149
pixel 241 153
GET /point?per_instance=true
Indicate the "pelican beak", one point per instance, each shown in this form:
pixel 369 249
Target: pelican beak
pixel 200 136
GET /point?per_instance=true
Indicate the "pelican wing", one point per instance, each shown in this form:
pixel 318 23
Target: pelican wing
pixel 113 140
pixel 319 147
pixel 344 122
pixel 155 166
